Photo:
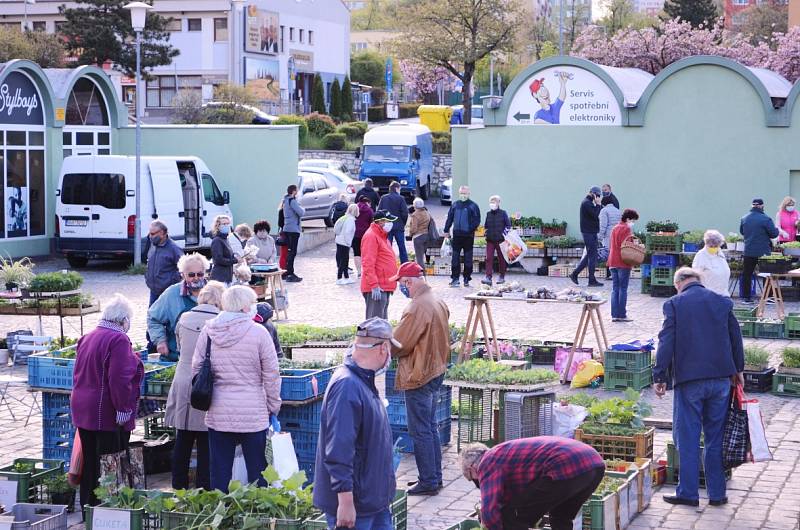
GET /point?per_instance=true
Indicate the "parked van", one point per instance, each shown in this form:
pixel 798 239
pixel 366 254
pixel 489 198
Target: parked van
pixel 96 204
pixel 401 152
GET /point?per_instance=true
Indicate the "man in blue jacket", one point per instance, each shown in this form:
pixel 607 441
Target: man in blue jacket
pixel 700 353
pixel 395 204
pixel 464 218
pixel 590 227
pixel 162 260
pixel 354 483
pixel 758 229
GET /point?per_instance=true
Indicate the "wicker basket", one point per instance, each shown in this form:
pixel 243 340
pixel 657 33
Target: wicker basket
pixel 632 252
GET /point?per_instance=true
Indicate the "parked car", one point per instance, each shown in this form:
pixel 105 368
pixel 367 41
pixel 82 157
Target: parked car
pixel 458 115
pixel 446 191
pixel 319 189
pixel 259 116
pixel 324 163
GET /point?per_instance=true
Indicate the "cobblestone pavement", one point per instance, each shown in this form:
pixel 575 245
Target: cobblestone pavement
pixel 761 495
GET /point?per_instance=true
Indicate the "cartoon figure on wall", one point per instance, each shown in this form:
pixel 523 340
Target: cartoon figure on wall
pixel 550 111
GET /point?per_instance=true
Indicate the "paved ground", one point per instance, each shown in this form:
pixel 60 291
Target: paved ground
pixel 762 495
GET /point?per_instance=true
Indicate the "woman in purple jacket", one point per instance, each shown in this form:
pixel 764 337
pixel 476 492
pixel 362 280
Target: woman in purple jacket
pixel 105 391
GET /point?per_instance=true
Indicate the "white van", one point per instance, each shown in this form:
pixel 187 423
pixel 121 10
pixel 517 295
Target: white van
pixel 96 205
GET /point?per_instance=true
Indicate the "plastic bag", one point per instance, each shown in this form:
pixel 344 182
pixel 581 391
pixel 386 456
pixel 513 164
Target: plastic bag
pixel 562 354
pixel 446 250
pixel 759 447
pixel 239 466
pixel 587 372
pixel 567 418
pixel 513 248
pixel 284 459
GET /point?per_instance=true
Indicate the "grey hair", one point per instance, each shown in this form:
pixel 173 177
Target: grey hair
pixel 212 293
pixel 713 238
pixel 687 273
pixel 160 225
pixel 188 259
pixel 418 202
pixel 471 455
pixel 117 309
pixel 344 197
pixel 238 298
pixel 463 189
pixel 495 198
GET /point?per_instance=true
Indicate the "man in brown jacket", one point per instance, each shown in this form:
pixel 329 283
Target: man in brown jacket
pixel 424 334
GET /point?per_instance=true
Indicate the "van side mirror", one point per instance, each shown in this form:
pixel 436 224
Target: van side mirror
pixel 417 154
pixel 358 152
pixel 226 197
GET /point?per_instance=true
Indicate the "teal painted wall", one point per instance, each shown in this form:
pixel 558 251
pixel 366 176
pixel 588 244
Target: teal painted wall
pixel 703 153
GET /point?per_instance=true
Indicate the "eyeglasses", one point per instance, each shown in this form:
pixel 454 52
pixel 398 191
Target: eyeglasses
pixel 195 274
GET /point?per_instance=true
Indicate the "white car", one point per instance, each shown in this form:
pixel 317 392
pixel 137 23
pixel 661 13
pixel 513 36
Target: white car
pixel 259 116
pixel 446 191
pixel 324 163
pixel 319 189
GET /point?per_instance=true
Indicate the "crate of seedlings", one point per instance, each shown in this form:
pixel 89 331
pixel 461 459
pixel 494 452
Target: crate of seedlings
pixel 614 427
pixel 160 383
pixel 663 242
pixel 757 373
pixel 791 325
pixel 627 360
pixel 30 475
pixel 601 511
pixel 766 328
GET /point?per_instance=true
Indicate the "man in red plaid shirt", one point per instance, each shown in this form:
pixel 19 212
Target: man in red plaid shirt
pixel 521 480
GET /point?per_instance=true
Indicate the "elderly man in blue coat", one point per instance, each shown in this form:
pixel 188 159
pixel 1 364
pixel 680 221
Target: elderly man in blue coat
pixel 758 230
pixel 700 353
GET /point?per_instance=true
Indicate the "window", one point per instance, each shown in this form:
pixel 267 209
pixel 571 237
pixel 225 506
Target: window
pixel 174 24
pixel 321 183
pixel 96 189
pixel 387 153
pixel 60 25
pixel 220 30
pixel 291 34
pixel 307 185
pixel 211 192
pixel 195 24
pixel 302 35
pixel 39 25
pixel 86 105
pixel 310 37
pixel 161 90
pixel 282 32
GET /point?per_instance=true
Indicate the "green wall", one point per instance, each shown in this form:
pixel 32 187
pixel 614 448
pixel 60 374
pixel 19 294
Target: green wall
pixel 703 152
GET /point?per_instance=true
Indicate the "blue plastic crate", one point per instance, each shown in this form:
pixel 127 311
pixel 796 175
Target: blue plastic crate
pixel 55 405
pixel 50 370
pixel 57 433
pixel 645 270
pixel 390 379
pixel 59 452
pixel 305 443
pixel 664 260
pixel 300 385
pixel 148 375
pixel 406 444
pixel 308 467
pixel 304 417
pixel 398 416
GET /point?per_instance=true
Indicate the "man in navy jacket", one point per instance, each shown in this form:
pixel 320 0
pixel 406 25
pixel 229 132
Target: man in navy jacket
pixel 464 218
pixel 700 352
pixel 758 229
pixel 395 204
pixel 590 227
pixel 354 482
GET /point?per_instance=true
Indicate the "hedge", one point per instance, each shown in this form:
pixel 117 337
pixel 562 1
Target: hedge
pixel 320 124
pixel 350 131
pixel 362 125
pixel 291 119
pixel 334 141
pixel 408 110
pixel 376 113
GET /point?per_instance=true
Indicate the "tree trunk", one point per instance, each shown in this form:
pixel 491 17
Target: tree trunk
pixel 466 96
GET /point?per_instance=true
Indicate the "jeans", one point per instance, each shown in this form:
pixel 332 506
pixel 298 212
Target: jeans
pixel 700 405
pixel 94 444
pixel 342 261
pixel 292 239
pixel 421 410
pixel 420 242
pixel 501 261
pixel 399 235
pixel 619 292
pixel 460 243
pixel 590 258
pixel 748 267
pixel 378 521
pixel 377 308
pixel 181 456
pixel 222 446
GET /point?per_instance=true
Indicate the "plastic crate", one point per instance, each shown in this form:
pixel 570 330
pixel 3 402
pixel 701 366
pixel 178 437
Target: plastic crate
pixel 140 520
pixel 645 288
pixel 155 427
pixel 747 327
pixel 58 452
pixel 613 447
pixel 400 510
pixel 305 443
pixel 157 388
pixel 528 414
pixel 657 242
pixel 662 291
pixel 673 466
pixel 149 374
pixel 662 276
pixel 272 523
pixel 786 385
pixel 747 313
pixel 50 370
pixel 38 517
pixel 406 444
pixel 58 432
pixel 791 324
pixel 691 247
pixel 768 330
pixel 622 379
pixel 308 466
pixel 466 524
pixel 646 270
pixel 30 485
pixel 182 521
pixel 55 405
pixel 544 354
pixel 303 417
pixel 398 415
pixel 758 381
pixel 475 415
pixel 600 513
pixel 779 266
pixel 300 385
pixel 627 360
pixel 664 260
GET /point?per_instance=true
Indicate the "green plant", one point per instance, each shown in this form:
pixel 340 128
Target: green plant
pixel 290 119
pixel 560 242
pixel 625 412
pixel 318 96
pixel 408 110
pixel 15 272
pixel 347 100
pixel 55 282
pixel 442 142
pixel 528 222
pixel 581 399
pixel 57 484
pixel 733 237
pixel 694 236
pixel 167 374
pixel 555 224
pixel 350 131
pixel 319 124
pixel 59 343
pixel 662 226
pixel 334 141
pixel 755 355
pixel 361 125
pixel 608 486
pixel 135 270
pixel 298 334
pixel 376 113
pixel 791 357
pixel 791 244
pixel 488 372
pixel 336 100
pixel 23 467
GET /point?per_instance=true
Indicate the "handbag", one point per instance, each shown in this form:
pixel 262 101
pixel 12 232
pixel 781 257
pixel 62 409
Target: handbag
pixel 632 252
pixel 736 435
pixel 124 468
pixel 203 382
pixel 281 240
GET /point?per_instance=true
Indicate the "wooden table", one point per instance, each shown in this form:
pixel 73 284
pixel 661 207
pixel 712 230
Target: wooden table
pixel 273 282
pixel 772 289
pixel 480 313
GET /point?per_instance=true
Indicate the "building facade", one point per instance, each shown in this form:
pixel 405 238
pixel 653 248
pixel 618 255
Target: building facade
pixel 733 10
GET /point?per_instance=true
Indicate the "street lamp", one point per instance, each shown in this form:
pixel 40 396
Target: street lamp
pixel 236 40
pixel 25 18
pixel 138 16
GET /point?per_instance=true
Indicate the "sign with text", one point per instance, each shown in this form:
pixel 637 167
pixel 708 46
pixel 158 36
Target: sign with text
pixel 261 31
pixel 303 60
pixel 564 95
pixel 107 519
pixel 20 103
pixel 8 488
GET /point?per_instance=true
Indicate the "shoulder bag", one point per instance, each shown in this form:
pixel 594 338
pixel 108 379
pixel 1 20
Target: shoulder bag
pixel 203 383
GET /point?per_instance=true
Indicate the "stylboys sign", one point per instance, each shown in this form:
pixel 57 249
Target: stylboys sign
pixel 20 103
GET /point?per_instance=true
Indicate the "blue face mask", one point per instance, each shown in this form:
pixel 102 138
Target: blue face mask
pixel 404 290
pixel 155 240
pixel 606 193
pixel 225 229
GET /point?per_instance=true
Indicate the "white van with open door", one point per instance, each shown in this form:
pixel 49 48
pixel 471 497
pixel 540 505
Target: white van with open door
pixel 96 204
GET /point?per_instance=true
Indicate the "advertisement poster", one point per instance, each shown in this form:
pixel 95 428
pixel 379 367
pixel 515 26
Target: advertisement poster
pixel 262 77
pixel 17 211
pixel 564 95
pixel 261 31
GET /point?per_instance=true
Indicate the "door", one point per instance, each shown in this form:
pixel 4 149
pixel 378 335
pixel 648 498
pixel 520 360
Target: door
pixel 190 188
pixel 75 208
pixel 327 194
pixel 212 205
pixel 308 196
pixel 167 198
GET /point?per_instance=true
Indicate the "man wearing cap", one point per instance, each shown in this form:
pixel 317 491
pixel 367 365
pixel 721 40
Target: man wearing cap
pixel 758 229
pixel 424 349
pixel 395 204
pixel 550 113
pixel 378 265
pixel 590 227
pixel 354 483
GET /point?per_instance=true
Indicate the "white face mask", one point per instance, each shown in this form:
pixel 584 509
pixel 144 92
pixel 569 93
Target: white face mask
pixel 387 227
pixel 630 224
pixel 253 311
pixel 381 371
pixel 790 208
pixel 493 206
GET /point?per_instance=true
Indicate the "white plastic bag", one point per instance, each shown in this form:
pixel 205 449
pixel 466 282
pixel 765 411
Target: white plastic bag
pixel 513 248
pixel 758 437
pixel 239 467
pixel 283 456
pixel 446 250
pixel 567 418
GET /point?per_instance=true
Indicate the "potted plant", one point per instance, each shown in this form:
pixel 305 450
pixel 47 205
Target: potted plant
pixel 60 492
pixel 693 240
pixel 756 359
pixel 735 241
pixel 52 282
pixel 15 274
pixel 554 228
pixel 662 227
pixel 791 361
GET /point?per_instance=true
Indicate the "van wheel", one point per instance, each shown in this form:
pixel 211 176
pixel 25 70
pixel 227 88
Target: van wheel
pixel 425 191
pixel 77 262
pixel 328 222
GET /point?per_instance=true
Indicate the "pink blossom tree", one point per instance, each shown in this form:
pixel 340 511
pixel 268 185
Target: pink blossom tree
pixel 425 79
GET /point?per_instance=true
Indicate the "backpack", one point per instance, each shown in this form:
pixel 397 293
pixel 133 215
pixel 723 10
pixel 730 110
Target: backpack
pixel 338 210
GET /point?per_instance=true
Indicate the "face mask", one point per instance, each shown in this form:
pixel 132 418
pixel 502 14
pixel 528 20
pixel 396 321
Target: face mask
pixel 225 229
pixel 196 285
pixel 387 227
pixel 493 206
pixel 156 240
pixel 253 311
pixel 790 208
pixel 712 250
pixel 262 235
pixel 126 325
pixel 606 193
pixel 463 196
pixel 630 224
pixel 404 290
pixel 381 371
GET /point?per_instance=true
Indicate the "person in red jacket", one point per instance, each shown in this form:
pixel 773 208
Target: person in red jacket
pixel 378 265
pixel 620 271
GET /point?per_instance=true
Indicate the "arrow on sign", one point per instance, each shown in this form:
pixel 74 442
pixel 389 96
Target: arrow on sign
pixel 519 116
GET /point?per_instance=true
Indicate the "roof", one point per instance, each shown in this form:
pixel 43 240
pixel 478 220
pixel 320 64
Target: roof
pixel 395 134
pixel 631 81
pixel 777 86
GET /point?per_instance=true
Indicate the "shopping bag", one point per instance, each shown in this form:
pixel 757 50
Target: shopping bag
pixel 759 448
pixel 513 247
pixel 562 354
pixel 124 468
pixel 239 471
pixel 567 418
pixel 587 372
pixel 284 459
pixel 75 463
pixel 446 250
pixel 735 436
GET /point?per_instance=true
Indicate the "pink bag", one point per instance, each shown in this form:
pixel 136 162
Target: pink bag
pixel 76 462
pixel 562 354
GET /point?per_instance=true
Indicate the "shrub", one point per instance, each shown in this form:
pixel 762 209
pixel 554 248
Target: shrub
pixel 336 100
pixel 347 99
pixel 291 119
pixel 442 143
pixel 360 124
pixel 791 357
pixel 334 141
pixel 319 124
pixel 408 110
pixel 376 113
pixel 351 132
pixel 318 95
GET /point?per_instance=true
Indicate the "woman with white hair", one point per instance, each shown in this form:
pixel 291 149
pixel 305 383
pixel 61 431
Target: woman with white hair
pixel 247 386
pixel 345 230
pixel 497 224
pixel 105 391
pixel 190 423
pixel 222 254
pixel 712 265
pixel 418 224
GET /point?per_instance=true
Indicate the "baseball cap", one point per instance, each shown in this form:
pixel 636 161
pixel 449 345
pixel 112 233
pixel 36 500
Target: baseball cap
pixel 596 190
pixel 409 269
pixel 384 215
pixel 376 328
pixel 758 202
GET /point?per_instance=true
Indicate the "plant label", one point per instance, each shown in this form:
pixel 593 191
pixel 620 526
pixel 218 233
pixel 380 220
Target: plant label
pixel 8 493
pixel 106 519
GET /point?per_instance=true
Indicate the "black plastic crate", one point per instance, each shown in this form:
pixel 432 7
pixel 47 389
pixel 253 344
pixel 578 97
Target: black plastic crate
pixel 758 381
pixel 662 291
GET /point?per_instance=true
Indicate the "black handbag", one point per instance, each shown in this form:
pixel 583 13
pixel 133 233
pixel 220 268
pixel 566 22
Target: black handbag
pixel 203 383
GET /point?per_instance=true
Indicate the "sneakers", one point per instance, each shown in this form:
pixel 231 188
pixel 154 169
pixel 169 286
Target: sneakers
pixel 455 284
pixel 487 281
pixel 594 284
pixel 293 278
pixel 574 278
pixel 419 489
pixel 501 280
pixel 466 283
pixel 348 281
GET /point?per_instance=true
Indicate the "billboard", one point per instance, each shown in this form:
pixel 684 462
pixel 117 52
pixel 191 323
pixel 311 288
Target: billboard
pixel 262 31
pixel 564 95
pixel 262 78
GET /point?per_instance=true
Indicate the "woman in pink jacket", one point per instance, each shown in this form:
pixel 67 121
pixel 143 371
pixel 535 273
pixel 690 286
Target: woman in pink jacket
pixel 786 220
pixel 247 386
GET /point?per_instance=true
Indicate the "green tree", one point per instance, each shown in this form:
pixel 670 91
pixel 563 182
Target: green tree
pixel 618 15
pixel 761 21
pixel 336 100
pixel 98 31
pixel 347 99
pixel 696 12
pixel 318 96
pixel 367 66
pixel 42 48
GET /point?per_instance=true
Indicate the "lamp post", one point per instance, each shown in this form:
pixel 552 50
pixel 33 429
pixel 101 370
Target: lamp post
pixel 138 16
pixel 25 16
pixel 236 40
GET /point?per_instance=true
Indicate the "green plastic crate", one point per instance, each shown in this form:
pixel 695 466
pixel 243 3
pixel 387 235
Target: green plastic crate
pixel 786 385
pixel 155 427
pixel 400 510
pixel 319 522
pixel 273 523
pixel 30 485
pixel 600 513
pixel 791 326
pixel 627 360
pixel 673 466
pixel 466 524
pixel 663 276
pixel 748 328
pixel 655 242
pixel 768 330
pixel 140 519
pixel 157 388
pixel 622 379
pixel 746 313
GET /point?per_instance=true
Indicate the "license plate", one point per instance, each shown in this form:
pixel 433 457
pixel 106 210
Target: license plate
pixel 76 222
